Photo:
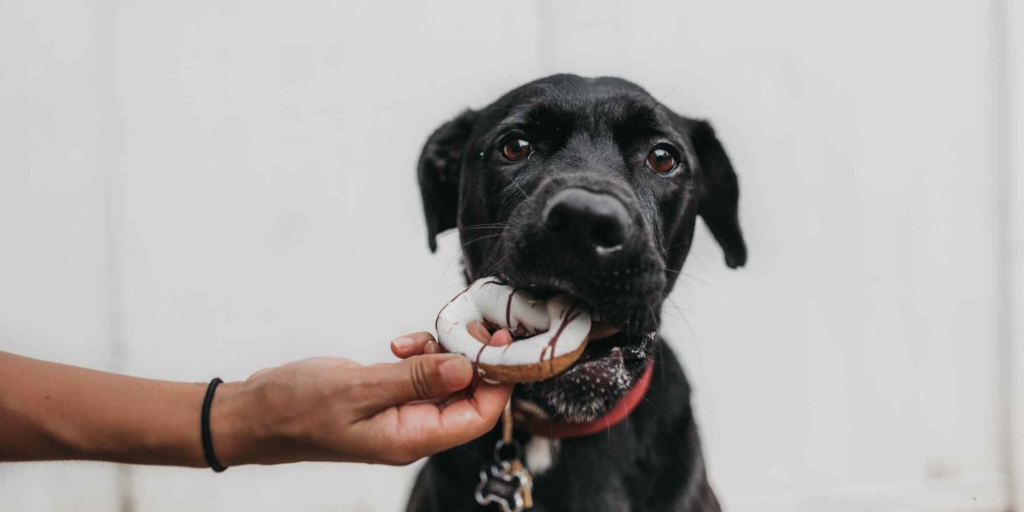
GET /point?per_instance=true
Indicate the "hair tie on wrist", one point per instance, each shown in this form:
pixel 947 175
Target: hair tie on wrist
pixel 211 459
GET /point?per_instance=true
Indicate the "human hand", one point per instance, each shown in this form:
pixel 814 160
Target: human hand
pixel 333 409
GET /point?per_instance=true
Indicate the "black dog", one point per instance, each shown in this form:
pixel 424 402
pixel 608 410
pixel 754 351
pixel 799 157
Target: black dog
pixel 589 187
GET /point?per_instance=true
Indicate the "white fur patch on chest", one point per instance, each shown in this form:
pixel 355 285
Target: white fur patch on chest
pixel 540 454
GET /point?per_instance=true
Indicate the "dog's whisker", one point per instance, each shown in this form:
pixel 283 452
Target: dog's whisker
pixel 470 228
pixel 510 111
pixel 683 273
pixel 516 184
pixel 670 314
pixel 477 227
pixel 693 336
pixel 521 190
pixel 509 73
pixel 486 225
pixel 656 408
pixel 662 100
pixel 699 280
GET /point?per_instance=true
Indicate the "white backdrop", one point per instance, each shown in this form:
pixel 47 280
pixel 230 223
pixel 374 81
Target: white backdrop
pixel 191 189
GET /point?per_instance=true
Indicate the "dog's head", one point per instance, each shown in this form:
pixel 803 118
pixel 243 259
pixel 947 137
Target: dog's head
pixel 589 187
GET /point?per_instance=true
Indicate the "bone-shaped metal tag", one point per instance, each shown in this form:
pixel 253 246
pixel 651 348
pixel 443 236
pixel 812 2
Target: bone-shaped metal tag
pixel 501 485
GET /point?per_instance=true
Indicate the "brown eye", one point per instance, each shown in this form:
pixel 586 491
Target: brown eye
pixel 517 149
pixel 661 160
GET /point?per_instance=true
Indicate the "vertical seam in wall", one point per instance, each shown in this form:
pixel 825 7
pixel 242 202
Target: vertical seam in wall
pixel 112 133
pixel 544 36
pixel 1000 112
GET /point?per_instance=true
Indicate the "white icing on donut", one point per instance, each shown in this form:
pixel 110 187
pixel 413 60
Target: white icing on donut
pixel 487 300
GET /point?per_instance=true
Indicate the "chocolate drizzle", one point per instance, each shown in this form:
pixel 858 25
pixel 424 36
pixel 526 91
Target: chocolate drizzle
pixel 481 351
pixel 565 316
pixel 455 298
pixel 508 309
pixel 569 315
pixel 480 371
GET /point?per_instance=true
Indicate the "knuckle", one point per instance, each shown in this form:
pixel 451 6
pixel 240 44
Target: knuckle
pixel 421 378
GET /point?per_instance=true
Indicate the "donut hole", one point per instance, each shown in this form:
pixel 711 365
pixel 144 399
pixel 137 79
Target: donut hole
pixel 485 330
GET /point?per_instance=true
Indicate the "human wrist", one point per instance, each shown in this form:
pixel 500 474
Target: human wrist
pixel 233 431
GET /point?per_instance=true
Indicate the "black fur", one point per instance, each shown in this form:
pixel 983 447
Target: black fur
pixel 592 135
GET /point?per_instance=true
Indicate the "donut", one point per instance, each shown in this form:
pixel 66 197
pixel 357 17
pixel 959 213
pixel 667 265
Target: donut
pixel 550 333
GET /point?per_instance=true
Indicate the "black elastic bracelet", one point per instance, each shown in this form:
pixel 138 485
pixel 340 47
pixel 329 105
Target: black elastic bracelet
pixel 211 459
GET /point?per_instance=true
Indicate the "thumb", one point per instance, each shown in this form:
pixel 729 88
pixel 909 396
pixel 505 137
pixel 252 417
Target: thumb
pixel 417 378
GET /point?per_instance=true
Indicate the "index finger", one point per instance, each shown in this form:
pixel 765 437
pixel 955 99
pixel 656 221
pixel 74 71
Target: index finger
pixel 420 343
pixel 411 344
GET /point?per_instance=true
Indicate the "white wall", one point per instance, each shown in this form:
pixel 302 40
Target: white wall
pixel 1011 32
pixel 190 190
pixel 53 298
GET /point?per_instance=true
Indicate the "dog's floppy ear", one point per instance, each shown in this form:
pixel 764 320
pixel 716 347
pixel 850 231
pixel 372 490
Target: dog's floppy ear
pixel 720 196
pixel 438 172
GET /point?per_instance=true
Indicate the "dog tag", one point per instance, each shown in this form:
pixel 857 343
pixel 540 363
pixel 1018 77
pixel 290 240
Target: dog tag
pixel 519 469
pixel 500 485
pixel 506 482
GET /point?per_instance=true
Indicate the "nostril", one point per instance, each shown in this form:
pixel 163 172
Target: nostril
pixel 556 218
pixel 608 232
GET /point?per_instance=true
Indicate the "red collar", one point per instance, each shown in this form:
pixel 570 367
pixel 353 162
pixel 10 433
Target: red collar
pixel 561 430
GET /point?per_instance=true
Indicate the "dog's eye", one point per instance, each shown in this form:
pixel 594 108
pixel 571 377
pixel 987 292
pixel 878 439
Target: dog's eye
pixel 517 149
pixel 661 160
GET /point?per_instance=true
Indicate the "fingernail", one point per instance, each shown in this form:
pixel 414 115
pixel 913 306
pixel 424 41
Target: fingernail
pixel 454 372
pixel 403 343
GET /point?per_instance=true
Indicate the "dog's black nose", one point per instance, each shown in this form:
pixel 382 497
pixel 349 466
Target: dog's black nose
pixel 598 220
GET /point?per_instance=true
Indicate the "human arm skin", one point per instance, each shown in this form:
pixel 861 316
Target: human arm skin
pixel 324 409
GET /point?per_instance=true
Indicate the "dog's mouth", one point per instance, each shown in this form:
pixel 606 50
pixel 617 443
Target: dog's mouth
pixel 592 385
pixel 616 355
pixel 604 357
pixel 623 290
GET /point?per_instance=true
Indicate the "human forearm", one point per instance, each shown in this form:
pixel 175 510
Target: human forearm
pixel 319 409
pixel 50 411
